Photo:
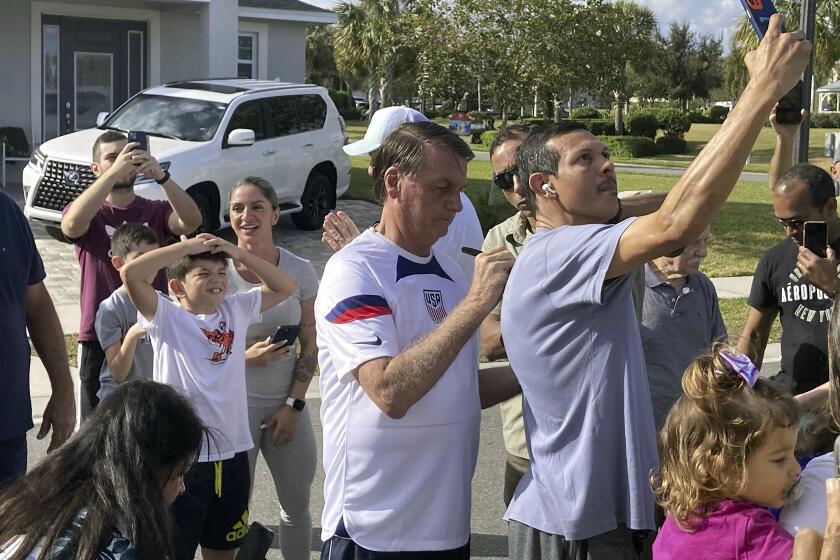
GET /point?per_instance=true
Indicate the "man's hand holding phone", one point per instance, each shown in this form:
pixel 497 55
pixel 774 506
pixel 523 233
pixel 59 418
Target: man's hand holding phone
pixel 821 272
pixel 778 62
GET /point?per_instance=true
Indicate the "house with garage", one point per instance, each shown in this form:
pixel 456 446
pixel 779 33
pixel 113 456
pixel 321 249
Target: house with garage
pixel 65 61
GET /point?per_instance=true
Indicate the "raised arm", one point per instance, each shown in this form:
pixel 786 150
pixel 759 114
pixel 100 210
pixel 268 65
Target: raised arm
pixel 185 215
pixel 782 157
pixel 395 383
pixel 641 204
pixel 702 190
pixel 76 221
pixel 276 284
pixel 136 274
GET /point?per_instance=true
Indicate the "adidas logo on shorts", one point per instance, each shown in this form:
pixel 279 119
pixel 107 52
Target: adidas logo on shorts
pixel 240 529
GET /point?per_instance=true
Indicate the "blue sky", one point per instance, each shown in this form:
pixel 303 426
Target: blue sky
pixel 705 16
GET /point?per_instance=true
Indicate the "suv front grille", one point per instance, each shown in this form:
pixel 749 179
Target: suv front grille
pixel 61 184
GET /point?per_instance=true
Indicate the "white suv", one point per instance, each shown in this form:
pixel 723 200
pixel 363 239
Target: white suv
pixel 208 134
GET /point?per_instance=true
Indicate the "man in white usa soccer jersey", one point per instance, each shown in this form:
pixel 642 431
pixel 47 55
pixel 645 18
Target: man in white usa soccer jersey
pixel 400 388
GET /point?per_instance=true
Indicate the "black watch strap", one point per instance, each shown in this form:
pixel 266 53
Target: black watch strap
pixel 165 178
pixel 297 404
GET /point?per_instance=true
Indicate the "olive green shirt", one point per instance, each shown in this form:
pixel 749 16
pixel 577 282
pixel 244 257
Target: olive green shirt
pixel 511 234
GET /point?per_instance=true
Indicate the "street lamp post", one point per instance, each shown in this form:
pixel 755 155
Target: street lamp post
pixel 807 17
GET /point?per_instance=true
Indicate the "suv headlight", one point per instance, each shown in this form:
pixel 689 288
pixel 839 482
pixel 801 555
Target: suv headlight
pixel 37 160
pixel 144 179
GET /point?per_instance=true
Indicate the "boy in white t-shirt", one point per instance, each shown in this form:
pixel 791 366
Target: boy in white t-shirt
pixel 199 348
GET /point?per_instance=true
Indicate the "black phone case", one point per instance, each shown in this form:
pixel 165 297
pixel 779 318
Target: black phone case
pixel 288 333
pixel 141 138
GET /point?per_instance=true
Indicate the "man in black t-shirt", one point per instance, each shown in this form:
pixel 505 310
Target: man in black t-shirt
pixel 794 283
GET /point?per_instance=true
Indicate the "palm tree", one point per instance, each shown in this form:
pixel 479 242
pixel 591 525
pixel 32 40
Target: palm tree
pixel 636 33
pixel 367 36
pixel 827 25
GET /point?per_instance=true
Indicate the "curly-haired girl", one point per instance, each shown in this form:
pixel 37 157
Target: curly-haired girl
pixel 726 452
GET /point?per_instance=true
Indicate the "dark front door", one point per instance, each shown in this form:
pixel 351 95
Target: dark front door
pixel 90 66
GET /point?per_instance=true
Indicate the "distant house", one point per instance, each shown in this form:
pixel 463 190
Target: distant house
pixel 65 61
pixel 828 98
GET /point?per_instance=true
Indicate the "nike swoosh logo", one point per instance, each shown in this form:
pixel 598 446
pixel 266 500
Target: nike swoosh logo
pixel 376 342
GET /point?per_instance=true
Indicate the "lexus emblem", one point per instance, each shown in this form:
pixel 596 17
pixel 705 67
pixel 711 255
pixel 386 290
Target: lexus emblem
pixel 72 177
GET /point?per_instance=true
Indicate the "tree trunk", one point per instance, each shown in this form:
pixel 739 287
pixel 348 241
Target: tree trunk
pixel 504 115
pixel 372 83
pixel 423 103
pixel 619 115
pixel 558 108
pixel 386 83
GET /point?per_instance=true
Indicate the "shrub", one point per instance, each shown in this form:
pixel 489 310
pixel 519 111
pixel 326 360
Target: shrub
pixel 642 123
pixel 487 137
pixel 351 114
pixel 536 121
pixel 825 120
pixel 629 146
pixel 673 122
pixel 699 117
pixel 601 127
pixel 671 145
pixel 718 114
pixel 584 113
pixel 341 100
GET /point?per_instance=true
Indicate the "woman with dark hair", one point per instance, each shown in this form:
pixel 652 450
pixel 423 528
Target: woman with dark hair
pixel 106 492
pixel 277 377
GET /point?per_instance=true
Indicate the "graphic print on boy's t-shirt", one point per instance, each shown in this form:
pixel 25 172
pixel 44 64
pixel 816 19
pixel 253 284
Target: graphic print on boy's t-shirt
pixel 221 337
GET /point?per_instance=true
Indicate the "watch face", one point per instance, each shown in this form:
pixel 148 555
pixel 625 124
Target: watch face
pixel 298 404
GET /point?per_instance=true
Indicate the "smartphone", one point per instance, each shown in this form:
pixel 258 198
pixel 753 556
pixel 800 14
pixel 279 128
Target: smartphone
pixel 789 110
pixel 759 12
pixel 288 333
pixel 141 138
pixel 815 237
pixel 256 543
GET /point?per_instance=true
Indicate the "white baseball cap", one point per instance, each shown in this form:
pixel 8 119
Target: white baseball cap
pixel 382 123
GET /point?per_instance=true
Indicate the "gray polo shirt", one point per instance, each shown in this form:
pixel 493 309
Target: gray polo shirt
pixel 675 328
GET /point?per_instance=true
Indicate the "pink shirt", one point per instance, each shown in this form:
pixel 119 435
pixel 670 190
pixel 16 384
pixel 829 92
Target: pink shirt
pixel 734 531
pixel 93 249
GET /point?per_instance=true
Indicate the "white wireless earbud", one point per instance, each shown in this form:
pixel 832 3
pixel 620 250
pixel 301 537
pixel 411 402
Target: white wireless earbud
pixel 547 189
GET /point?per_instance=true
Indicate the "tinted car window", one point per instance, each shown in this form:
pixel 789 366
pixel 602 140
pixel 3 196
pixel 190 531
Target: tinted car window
pixel 248 115
pixel 284 115
pixel 313 111
pixel 187 119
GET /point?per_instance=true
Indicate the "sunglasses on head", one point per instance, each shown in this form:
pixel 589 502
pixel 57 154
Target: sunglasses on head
pixel 791 222
pixel 504 180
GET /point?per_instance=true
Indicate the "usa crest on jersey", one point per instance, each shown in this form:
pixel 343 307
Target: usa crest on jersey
pixel 434 305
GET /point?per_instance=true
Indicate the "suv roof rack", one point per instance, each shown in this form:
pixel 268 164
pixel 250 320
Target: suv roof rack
pixel 205 84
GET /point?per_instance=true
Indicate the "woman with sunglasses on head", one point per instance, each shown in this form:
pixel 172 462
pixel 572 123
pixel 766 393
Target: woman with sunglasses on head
pixel 276 376
pixel 106 493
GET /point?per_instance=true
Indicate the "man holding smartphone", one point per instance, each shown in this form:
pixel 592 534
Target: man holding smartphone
pixel 90 221
pixel 570 329
pixel 791 281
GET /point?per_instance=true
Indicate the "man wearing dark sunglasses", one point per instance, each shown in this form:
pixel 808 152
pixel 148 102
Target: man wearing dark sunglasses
pixel 790 280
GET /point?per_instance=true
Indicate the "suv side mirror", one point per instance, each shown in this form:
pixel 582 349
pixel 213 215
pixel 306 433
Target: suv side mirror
pixel 241 137
pixel 100 118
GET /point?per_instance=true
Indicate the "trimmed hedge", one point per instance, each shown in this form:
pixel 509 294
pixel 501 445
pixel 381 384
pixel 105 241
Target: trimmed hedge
pixel 351 114
pixel 673 122
pixel 585 113
pixel 825 120
pixel 341 99
pixel 629 146
pixel 671 145
pixel 642 123
pixel 718 114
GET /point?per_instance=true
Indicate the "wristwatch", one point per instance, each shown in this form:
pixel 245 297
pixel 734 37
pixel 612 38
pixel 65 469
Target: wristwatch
pixel 297 404
pixel 163 179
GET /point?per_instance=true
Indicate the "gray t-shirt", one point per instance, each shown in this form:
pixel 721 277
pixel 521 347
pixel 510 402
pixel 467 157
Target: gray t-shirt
pixel 115 316
pixel 573 340
pixel 675 329
pixel 269 386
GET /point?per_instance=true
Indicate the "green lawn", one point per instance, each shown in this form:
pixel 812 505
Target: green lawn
pixel 744 229
pixel 734 312
pixel 69 343
pixel 696 138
